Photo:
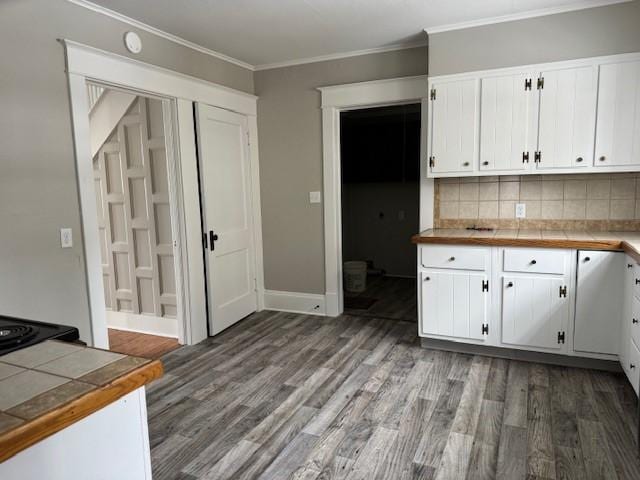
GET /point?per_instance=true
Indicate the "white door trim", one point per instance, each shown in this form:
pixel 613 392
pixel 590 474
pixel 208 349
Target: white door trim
pixel 86 63
pixel 349 97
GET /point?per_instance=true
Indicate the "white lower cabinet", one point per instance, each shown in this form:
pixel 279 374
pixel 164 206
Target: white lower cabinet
pixel 535 312
pixel 454 303
pixel 599 301
pixel 633 367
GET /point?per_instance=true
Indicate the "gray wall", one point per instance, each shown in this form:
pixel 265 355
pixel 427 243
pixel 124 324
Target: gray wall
pixel 290 131
pixel 378 219
pixel 38 191
pixel 583 33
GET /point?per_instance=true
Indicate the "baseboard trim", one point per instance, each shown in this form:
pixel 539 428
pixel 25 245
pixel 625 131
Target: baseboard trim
pixel 523 355
pixel 295 302
pixel 149 324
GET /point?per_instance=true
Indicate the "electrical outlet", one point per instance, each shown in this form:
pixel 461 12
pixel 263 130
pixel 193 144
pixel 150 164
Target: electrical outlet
pixel 314 197
pixel 66 238
pixel 521 210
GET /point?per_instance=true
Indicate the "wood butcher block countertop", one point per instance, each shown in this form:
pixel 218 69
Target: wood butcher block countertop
pixel 628 242
pixel 51 385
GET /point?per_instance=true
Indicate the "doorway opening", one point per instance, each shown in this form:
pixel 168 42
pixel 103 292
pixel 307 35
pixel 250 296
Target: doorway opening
pixel 380 165
pixel 131 154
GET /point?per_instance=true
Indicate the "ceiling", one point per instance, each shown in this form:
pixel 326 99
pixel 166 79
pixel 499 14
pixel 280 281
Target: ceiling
pixel 269 32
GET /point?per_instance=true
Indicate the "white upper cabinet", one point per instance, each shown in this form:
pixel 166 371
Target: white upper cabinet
pixel 563 117
pixel 567 118
pixel 454 125
pixel 508 121
pixel 618 124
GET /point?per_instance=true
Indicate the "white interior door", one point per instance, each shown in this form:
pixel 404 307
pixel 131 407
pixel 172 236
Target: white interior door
pixel 454 127
pixel 227 216
pixel 508 122
pixel 567 118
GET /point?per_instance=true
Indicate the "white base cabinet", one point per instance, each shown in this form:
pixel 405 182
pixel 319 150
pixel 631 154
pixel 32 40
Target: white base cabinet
pixel 535 312
pixel 562 301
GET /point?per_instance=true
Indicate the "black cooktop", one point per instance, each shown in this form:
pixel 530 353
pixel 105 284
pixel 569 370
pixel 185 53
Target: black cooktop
pixel 16 333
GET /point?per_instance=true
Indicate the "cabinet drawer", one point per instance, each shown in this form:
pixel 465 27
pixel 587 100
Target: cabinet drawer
pixel 460 258
pixel 633 368
pixel 535 260
pixel 636 280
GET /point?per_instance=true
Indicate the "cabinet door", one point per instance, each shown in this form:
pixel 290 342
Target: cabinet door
pixel 599 301
pixel 627 312
pixel 567 118
pixel 454 304
pixel 618 118
pixel 454 126
pixel 508 118
pixel 534 313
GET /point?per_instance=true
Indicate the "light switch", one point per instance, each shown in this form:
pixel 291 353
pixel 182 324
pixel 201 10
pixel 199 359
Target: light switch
pixel 66 238
pixel 521 211
pixel 314 197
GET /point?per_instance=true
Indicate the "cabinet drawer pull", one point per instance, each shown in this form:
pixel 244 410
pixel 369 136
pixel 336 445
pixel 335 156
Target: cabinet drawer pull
pixel 637 281
pixel 634 320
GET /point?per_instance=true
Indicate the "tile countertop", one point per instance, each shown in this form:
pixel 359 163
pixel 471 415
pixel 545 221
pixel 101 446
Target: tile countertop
pixel 51 385
pixel 626 241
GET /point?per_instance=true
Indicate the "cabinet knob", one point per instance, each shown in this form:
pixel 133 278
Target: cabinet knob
pixel 426 279
pixel 637 281
pixel 451 259
pixel 579 160
pixel 602 158
pixel 587 259
pixel 485 163
pixel 632 366
pixel 629 265
pixel 634 320
pixel 533 262
pixel 465 164
pixel 510 284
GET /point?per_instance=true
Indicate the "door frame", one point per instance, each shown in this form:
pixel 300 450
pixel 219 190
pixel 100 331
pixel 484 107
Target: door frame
pixel 85 63
pixel 352 96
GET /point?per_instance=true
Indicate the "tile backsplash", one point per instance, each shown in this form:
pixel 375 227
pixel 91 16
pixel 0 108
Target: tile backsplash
pixel 581 201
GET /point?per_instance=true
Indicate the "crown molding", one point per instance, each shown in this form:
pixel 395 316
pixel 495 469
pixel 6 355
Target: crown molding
pixel 338 56
pixel 160 33
pixel 581 5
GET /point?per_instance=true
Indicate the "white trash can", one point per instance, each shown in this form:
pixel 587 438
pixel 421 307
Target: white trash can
pixel 355 276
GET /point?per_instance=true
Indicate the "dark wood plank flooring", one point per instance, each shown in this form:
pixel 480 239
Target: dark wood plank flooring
pixel 140 344
pixel 396 299
pixel 286 396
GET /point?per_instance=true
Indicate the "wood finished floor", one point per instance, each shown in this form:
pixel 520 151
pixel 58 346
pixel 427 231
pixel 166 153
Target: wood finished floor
pixel 140 344
pixel 286 396
pixel 396 299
